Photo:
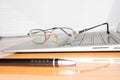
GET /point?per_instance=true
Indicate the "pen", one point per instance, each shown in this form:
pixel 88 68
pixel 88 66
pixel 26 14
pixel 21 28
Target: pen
pixel 43 62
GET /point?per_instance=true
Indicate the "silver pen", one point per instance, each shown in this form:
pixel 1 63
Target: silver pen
pixel 43 62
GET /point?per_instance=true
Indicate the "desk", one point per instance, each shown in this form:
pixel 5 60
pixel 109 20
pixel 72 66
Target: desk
pixel 82 70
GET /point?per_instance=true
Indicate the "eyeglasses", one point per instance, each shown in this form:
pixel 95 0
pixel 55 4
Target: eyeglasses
pixel 59 34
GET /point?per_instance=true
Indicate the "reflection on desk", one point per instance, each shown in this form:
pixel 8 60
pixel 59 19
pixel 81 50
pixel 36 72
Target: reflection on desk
pixel 81 71
pixel 81 68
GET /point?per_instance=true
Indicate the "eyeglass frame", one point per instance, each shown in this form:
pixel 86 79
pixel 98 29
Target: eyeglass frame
pixel 61 28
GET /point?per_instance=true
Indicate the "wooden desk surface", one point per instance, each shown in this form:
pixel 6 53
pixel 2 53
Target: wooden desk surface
pixel 82 71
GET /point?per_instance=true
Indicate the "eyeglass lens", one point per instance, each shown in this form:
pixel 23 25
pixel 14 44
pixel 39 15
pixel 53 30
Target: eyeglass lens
pixel 38 36
pixel 59 35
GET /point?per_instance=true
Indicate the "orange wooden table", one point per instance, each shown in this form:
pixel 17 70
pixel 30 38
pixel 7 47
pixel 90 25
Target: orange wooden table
pixel 82 70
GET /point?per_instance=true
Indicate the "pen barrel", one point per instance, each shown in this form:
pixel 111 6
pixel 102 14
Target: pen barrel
pixel 29 62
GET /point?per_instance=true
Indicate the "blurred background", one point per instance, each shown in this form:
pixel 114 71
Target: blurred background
pixel 17 17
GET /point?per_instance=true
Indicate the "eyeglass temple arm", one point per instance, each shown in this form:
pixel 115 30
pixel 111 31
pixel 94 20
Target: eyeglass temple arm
pixel 95 27
pixel 66 32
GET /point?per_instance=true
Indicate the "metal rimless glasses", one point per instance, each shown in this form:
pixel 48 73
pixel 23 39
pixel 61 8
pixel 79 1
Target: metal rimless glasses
pixel 59 34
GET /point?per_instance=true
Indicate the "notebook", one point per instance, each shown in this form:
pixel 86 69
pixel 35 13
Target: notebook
pixel 87 41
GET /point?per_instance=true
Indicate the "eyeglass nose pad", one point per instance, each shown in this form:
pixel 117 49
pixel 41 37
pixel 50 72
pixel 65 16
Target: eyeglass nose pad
pixel 55 37
pixel 47 37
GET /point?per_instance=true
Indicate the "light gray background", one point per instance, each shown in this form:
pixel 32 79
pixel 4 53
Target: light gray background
pixel 17 17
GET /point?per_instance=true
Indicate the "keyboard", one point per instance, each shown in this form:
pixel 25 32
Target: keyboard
pixel 96 38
